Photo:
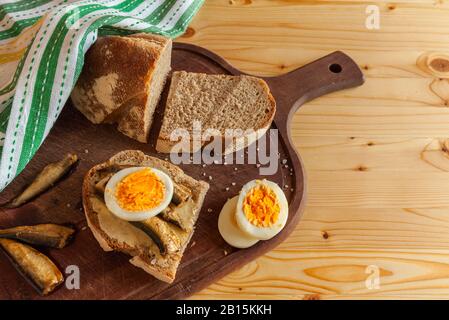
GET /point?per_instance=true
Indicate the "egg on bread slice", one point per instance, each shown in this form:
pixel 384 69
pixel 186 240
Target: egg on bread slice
pixel 138 193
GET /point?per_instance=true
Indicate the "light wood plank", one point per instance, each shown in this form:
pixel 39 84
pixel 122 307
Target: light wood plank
pixel 376 157
pixel 355 153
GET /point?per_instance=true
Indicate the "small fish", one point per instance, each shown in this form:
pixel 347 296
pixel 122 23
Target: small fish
pixel 181 215
pixel 100 186
pixel 49 235
pixel 161 233
pixel 180 194
pixel 44 180
pixel 35 266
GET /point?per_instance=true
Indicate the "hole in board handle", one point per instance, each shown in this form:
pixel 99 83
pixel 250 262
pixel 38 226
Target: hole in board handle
pixel 335 68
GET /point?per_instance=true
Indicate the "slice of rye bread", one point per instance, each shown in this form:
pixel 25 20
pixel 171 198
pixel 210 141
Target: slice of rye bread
pixel 114 234
pixel 122 81
pixel 218 102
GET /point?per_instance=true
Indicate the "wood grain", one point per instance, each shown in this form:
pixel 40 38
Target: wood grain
pixel 376 156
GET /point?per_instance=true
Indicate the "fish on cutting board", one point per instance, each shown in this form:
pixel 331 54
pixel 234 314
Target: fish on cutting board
pixel 48 235
pixel 36 267
pixel 51 174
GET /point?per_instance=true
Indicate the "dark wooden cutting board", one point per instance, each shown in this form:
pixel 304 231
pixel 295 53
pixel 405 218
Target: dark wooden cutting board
pixel 108 275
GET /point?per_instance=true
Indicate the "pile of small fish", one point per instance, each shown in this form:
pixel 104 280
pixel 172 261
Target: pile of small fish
pixel 37 268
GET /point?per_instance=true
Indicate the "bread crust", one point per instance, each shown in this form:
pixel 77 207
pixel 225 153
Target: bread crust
pixel 116 82
pixel 164 144
pixel 148 258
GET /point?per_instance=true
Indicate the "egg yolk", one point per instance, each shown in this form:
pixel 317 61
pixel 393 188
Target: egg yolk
pixel 261 206
pixel 140 190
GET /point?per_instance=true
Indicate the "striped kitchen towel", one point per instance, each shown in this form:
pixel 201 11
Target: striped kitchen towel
pixel 42 46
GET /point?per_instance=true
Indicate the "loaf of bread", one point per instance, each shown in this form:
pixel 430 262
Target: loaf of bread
pixel 218 102
pixel 122 81
pixel 115 234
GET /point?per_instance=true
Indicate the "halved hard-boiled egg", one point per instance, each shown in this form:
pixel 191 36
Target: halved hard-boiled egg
pixel 138 193
pixel 228 228
pixel 259 213
pixel 262 209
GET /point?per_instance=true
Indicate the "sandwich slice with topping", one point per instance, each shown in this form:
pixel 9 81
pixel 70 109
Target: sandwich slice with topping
pixel 144 207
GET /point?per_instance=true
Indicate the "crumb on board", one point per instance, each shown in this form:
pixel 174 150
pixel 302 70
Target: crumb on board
pixel 233 183
pixel 86 151
pixel 225 252
pixel 210 178
pixel 209 210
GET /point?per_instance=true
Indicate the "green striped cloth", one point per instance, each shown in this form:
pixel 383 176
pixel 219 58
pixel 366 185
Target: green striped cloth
pixel 42 46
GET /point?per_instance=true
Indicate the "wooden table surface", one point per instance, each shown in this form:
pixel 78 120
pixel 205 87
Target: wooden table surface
pixel 376 157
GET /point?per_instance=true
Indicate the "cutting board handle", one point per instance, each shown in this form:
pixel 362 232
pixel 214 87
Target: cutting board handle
pixel 334 72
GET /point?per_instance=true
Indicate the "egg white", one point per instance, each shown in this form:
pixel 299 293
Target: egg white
pixel 114 207
pixel 262 233
pixel 228 228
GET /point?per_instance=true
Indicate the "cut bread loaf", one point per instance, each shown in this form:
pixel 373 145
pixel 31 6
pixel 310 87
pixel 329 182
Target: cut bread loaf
pixel 122 81
pixel 218 102
pixel 114 234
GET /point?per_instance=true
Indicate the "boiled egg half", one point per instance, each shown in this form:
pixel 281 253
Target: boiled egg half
pixel 229 229
pixel 259 213
pixel 138 193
